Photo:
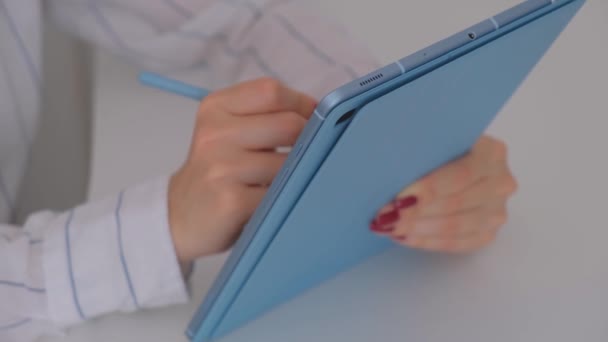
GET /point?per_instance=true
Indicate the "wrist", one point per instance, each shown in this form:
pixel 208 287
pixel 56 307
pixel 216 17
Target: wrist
pixel 191 237
pixel 176 225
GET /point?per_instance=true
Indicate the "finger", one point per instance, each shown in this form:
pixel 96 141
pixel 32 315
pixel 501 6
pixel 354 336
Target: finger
pixel 267 131
pixel 482 197
pixel 453 226
pixel 260 168
pixel 460 245
pixel 262 96
pixel 492 189
pixel 245 167
pixel 486 158
pixel 385 220
pixel 449 179
pixel 491 151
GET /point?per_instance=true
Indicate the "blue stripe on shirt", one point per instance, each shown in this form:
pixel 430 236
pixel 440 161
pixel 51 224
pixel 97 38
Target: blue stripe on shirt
pixel 29 61
pixel 31 240
pixel 304 41
pixel 297 35
pixel 15 324
pixel 68 251
pixel 228 50
pixel 253 8
pixel 22 286
pixel 139 15
pixel 351 72
pixel 181 10
pixel 105 25
pixel 115 38
pixel 122 251
pixel 205 37
pixel 261 63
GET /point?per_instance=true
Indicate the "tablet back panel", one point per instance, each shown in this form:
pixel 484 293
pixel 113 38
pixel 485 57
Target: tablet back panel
pixel 448 109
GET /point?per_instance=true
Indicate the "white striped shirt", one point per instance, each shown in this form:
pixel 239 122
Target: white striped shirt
pixel 116 254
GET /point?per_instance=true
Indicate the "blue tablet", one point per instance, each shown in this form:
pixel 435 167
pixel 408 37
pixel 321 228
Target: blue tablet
pixel 365 142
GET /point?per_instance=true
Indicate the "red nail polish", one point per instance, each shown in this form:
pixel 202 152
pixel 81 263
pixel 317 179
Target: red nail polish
pixel 383 222
pixel 378 228
pixel 388 218
pixel 404 203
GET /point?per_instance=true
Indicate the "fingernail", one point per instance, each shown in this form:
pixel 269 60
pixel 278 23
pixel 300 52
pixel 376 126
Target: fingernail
pixel 383 222
pixel 407 202
pixel 378 228
pixel 388 217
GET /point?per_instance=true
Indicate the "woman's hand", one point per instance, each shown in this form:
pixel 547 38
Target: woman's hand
pixel 232 161
pixel 457 208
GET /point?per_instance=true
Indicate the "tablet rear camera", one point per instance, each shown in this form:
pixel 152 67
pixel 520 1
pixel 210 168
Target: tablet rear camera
pixel 472 35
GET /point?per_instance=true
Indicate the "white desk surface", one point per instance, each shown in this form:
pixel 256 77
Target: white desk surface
pixel 546 279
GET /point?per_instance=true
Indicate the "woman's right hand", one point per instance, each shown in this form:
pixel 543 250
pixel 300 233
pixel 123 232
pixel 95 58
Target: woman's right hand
pixel 232 161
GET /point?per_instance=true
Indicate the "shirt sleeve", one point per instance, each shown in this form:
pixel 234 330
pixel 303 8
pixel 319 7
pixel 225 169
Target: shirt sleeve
pixel 219 42
pixel 60 269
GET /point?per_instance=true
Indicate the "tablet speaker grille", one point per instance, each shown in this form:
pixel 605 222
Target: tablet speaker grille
pixel 371 79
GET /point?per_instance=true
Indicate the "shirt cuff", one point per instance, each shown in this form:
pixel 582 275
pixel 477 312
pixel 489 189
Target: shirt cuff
pixel 112 255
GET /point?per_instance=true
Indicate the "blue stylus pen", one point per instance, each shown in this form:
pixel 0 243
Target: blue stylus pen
pixel 172 86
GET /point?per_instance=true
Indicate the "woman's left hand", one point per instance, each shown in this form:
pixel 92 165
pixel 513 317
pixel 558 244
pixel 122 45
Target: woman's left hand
pixel 457 208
